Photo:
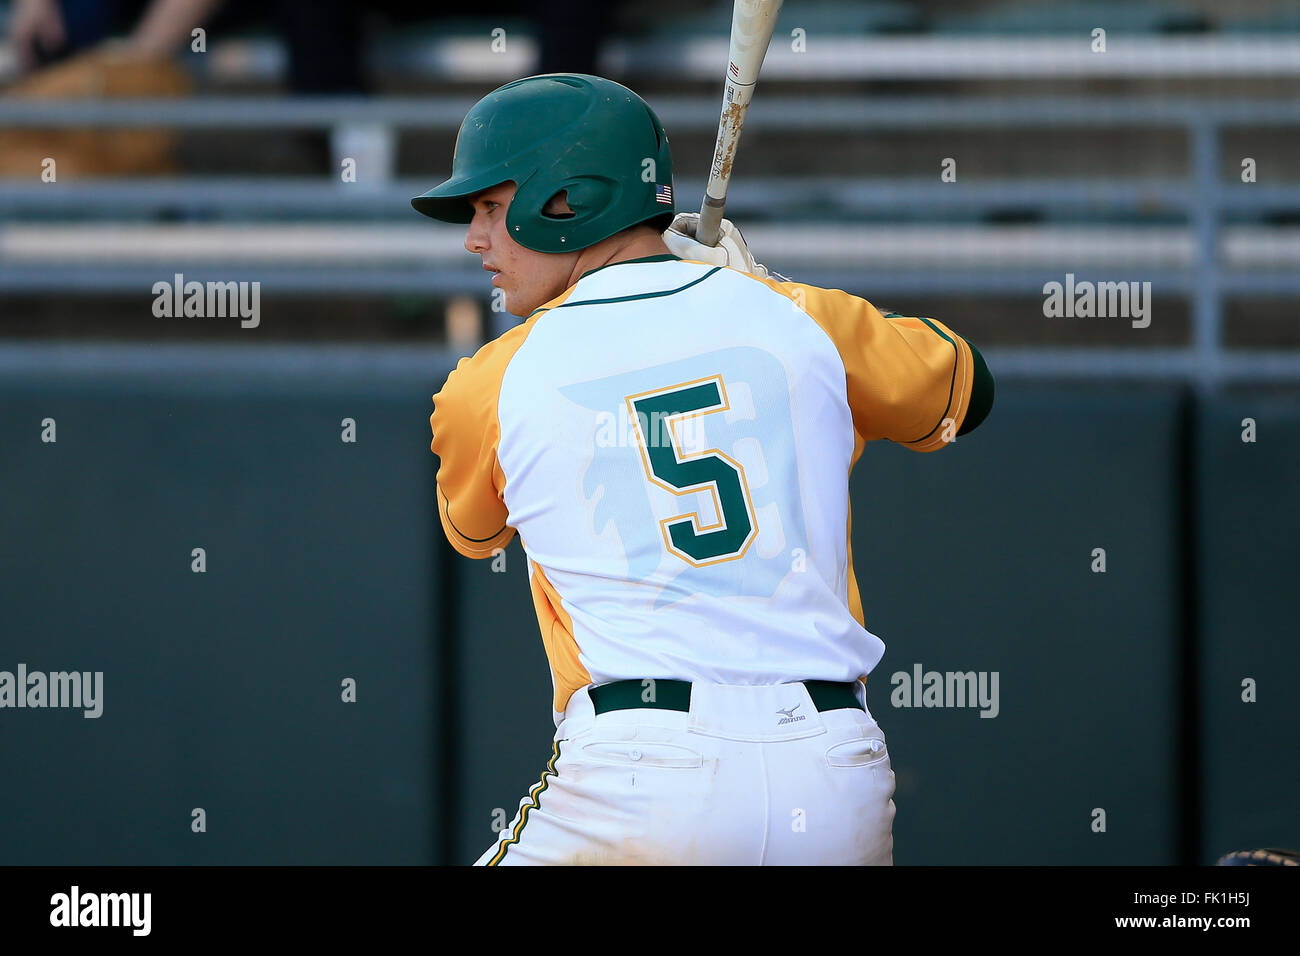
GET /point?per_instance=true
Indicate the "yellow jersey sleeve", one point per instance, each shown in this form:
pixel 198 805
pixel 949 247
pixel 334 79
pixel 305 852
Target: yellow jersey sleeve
pixel 909 379
pixel 466 433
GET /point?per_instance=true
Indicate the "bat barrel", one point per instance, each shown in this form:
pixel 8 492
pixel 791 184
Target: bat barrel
pixel 752 23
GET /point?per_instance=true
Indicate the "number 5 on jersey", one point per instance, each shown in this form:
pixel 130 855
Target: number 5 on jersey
pixel 657 415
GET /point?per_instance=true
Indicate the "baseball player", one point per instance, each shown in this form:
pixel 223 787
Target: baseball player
pixel 670 432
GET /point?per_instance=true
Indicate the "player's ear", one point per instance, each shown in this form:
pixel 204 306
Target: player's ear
pixel 557 207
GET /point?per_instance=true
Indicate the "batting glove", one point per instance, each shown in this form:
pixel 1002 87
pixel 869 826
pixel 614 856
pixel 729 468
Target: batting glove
pixel 730 251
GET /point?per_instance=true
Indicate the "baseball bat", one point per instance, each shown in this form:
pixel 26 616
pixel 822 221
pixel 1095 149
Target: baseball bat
pixel 752 23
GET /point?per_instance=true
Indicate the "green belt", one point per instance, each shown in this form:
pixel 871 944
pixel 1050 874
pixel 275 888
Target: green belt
pixel 664 694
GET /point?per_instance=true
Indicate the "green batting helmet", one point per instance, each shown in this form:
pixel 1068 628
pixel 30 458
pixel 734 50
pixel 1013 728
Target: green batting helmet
pixel 590 137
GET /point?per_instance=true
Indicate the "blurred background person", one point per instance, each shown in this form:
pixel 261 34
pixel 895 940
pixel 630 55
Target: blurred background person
pixel 45 31
pixel 325 39
pixel 87 49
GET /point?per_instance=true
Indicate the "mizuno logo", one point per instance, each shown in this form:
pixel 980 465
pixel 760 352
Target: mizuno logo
pixel 788 715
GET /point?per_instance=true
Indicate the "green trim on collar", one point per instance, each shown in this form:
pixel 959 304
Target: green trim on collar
pixel 640 295
pixel 662 257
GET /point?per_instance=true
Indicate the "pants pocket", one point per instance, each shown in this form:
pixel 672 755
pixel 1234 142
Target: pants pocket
pixel 640 753
pixel 859 752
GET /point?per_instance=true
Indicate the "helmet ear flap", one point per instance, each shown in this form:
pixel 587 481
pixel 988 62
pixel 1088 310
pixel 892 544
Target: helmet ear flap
pixel 590 198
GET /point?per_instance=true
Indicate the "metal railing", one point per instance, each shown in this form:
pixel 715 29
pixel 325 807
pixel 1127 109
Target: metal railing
pixel 1202 199
pixel 826 53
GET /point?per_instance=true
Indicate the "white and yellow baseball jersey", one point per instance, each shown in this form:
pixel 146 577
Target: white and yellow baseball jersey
pixel 672 442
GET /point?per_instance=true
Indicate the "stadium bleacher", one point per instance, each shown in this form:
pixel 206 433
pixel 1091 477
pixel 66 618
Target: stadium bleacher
pixel 838 179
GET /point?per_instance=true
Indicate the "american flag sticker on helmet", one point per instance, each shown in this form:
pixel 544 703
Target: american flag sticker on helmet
pixel 664 194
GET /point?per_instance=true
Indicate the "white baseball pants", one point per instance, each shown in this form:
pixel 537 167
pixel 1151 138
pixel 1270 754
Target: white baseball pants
pixel 750 775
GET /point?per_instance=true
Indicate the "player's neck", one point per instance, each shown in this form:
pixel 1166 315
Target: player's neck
pixel 635 243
